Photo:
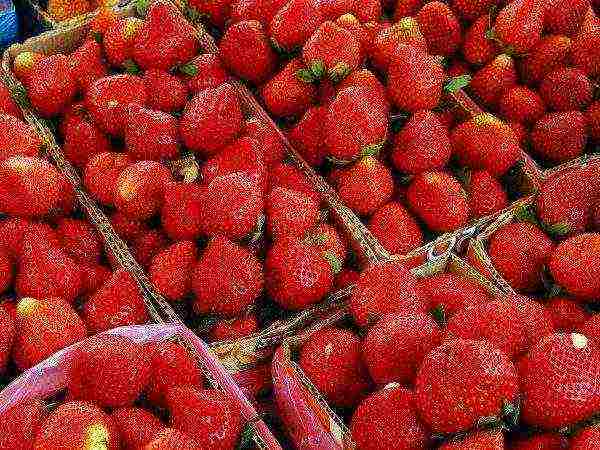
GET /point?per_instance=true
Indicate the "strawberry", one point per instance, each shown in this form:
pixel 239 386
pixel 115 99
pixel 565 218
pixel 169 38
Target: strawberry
pixel 286 94
pixel 42 328
pixel 209 415
pixel 440 28
pixel 119 38
pixel 486 194
pixel 471 10
pixel 406 32
pixel 13 231
pixel 203 72
pixel 494 79
pixel 297 275
pixel 265 135
pixel 385 288
pixel 140 188
pixel 216 11
pixel 575 361
pixel 246 52
pixel 308 135
pixel 232 206
pixel 521 104
pixel 550 53
pixel 584 49
pixel 171 365
pixel 486 143
pixel 476 47
pixel 294 23
pixel 439 201
pixel 592 116
pixel 388 419
pixel 350 23
pixel 181 214
pixel 150 135
pixel 8 328
pixel 79 239
pixel 211 120
pixel 394 347
pixel 165 39
pixel 405 8
pixel 146 246
pixel 564 17
pixel 234 329
pixel 7 103
pixel 137 427
pixel 19 423
pixel 574 265
pixel 415 79
pixel 591 328
pixel 546 441
pixel 290 177
pixel 128 229
pixel 396 229
pixel 328 239
pixel 93 276
pixel 46 271
pixel 82 138
pixel 347 277
pixel 171 439
pixel 490 440
pixel 353 126
pixel 290 213
pixel 23 65
pixel 519 25
pixel 587 439
pixel 261 10
pixel 560 136
pixel 332 49
pixel 331 359
pixel 171 270
pixel 165 92
pixel 18 138
pixel 366 79
pixel 462 381
pixel 7 270
pixel 217 287
pixel 78 425
pixel 52 85
pixel 102 173
pixel 107 100
pixel 117 303
pixel 567 314
pixel 87 64
pixel 422 144
pixel 566 89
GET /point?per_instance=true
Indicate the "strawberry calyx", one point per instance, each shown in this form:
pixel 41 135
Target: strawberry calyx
pixel 190 70
pixel 306 76
pixel 317 68
pixel 559 229
pixel 340 71
pixel 334 261
pixel 457 83
pixel 131 67
pixel 439 315
pixel 372 150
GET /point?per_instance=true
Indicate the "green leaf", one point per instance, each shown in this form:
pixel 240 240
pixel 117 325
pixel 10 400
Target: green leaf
pixel 334 261
pixel 559 229
pixel 317 68
pixel 457 83
pixel 340 71
pixel 490 34
pixel 439 314
pixel 97 37
pixel 131 67
pixel 526 214
pixel 373 149
pixel 141 7
pixel 306 75
pixel 189 69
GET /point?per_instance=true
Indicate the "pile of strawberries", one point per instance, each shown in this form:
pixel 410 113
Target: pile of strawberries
pixel 124 394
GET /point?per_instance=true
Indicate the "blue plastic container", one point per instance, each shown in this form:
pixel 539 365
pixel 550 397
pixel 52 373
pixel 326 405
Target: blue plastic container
pixel 9 28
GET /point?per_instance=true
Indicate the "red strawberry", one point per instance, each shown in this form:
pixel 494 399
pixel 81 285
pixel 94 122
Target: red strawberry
pixel 388 419
pixel 165 92
pixel 171 365
pixel 8 329
pixel 42 328
pixel 385 288
pixel 294 23
pixel 78 425
pixel 557 374
pixel 560 136
pixel 203 72
pixel 567 314
pixel 587 439
pixel 519 24
pixel 394 347
pixel 396 229
pixel 290 213
pixel 7 271
pixel 246 52
pixel 592 116
pixel 347 277
pixel 308 135
pixel 87 64
pixel 7 103
pixel 564 17
pixel 405 8
pixel 18 138
pixel 82 138
pixel 486 195
pixel 211 120
pixel 261 10
pixel 415 79
pixel 575 266
pixel 102 173
pixel 140 188
pixel 550 54
pixel 476 47
pixel 119 38
pixel 19 423
pixel 404 32
pixel 117 303
pixel 353 110
pixel 366 79
pixel 234 329
pixel 181 214
pixel 170 439
pixel 462 381
pixel 165 39
pixel 93 276
pixel 232 206
pixel 439 200
pixel 79 239
pixel 566 89
pixel 137 427
pixel 111 371
pixel 351 24
pixel 265 135
pixel 423 144
pixel 171 269
pixel 490 440
pixel 328 239
pixel 440 28
pixel 107 100
pixel 290 177
pixel 128 229
pixel 585 53
pixel 286 94
pixel 521 104
pixel 546 441
pixel 51 86
pixel 227 278
pixel 297 274
pixel 486 143
pixel 23 65
pixel 472 9
pixel 146 246
pixel 150 135
pixel 331 359
pixel 494 79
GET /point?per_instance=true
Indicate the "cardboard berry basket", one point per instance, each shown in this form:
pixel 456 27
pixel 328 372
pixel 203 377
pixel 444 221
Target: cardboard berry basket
pixel 38 9
pixel 311 422
pixel 49 378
